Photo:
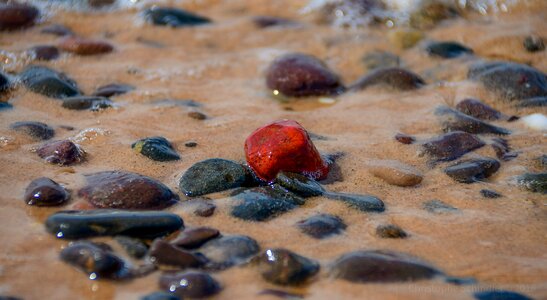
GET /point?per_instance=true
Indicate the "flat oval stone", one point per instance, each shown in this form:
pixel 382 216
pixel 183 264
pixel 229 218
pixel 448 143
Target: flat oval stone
pixel 156 148
pixel 394 78
pixel 192 284
pixel 113 89
pixel 500 295
pixel 299 184
pixel 364 203
pixel 270 21
pixel 92 223
pixel 45 192
pixel 447 49
pixel 95 261
pixel 322 226
pixel 511 81
pixel 228 251
pixel 264 203
pixel 195 237
pixel 205 209
pixel 472 170
pixel 125 190
pixel 390 231
pixel 453 120
pixel 381 266
pixel 301 75
pixel 15 16
pixel 438 207
pixel 211 176
pixel 534 182
pixel 87 103
pixel 173 17
pixel 396 173
pixel 451 146
pixel 37 130
pixel 48 82
pixel 284 267
pixel 84 46
pixel 56 29
pixel 164 253
pixel 62 152
pixel 477 109
pixel 44 52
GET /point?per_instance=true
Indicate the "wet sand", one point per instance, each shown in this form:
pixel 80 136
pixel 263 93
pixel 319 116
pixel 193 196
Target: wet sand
pixel 499 242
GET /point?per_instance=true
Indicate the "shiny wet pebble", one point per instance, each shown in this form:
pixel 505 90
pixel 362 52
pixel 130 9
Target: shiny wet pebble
pixel 36 130
pixel 14 16
pixel 396 173
pixel 474 170
pixel 45 192
pixel 229 250
pixel 263 203
pixel 48 82
pixel 447 49
pixel 164 253
pixel 173 17
pixel 299 184
pixel 156 148
pixel 212 175
pixel 284 267
pixel 322 226
pixel 195 237
pixel 364 203
pixel 62 152
pixel 192 284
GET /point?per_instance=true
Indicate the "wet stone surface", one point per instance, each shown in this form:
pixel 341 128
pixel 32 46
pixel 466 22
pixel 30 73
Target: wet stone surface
pixel 533 182
pixel 490 194
pixel 364 203
pixel 228 251
pixel 36 130
pixel 499 295
pixel 390 231
pixel 284 267
pixel 322 226
pixel 113 89
pixel 48 82
pixel 192 284
pixel 134 247
pixel 212 175
pixel 119 189
pixel 84 46
pixel 62 152
pixel 156 148
pixel 477 109
pixel 45 192
pixel 195 237
pixel 381 266
pixel 396 173
pixel 87 103
pixel 451 146
pixel 263 203
pixel 438 207
pixel 472 170
pixel 447 49
pixel 91 223
pixel 173 17
pixel 453 120
pixel 14 16
pixel 393 78
pixel 164 253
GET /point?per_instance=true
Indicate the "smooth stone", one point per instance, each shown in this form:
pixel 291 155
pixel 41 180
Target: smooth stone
pixel 44 52
pixel 451 146
pixel 453 120
pixel 381 59
pixel 502 149
pixel 211 176
pixel 405 138
pixel 87 103
pixel 299 184
pixel 84 46
pixel 479 110
pixel 284 267
pixel 56 29
pixel 533 102
pixel 490 194
pixel 534 182
pixel 429 15
pixel 37 130
pixel 48 82
pixel 205 209
pixel 510 81
pixel 533 43
pixel 113 89
pixel 194 237
pixel 62 152
pixel 156 148
pixel 192 284
pixel 474 170
pixel 302 75
pixel 125 190
pixel 92 223
pixel 264 203
pixel 173 17
pixel 164 253
pixel 396 173
pixel 438 207
pixel 364 203
pixel 14 16
pixel 390 231
pixel 45 192
pixel 270 21
pixel 381 266
pixel 447 49
pixel 190 144
pixel 196 115
pixel 136 248
pixel 500 295
pixel 5 106
pixel 161 296
pixel 280 294
pixel 229 250
pixel 394 78
pixel 322 226
pixel 96 262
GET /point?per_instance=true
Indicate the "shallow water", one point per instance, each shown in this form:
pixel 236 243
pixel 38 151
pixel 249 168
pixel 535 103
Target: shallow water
pixel 499 242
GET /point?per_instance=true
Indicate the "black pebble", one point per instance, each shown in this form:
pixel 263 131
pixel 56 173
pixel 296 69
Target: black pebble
pixel 299 184
pixel 322 226
pixel 212 175
pixel 284 267
pixel 264 203
pixel 533 43
pixel 364 203
pixel 45 192
pixel 228 251
pixel 490 194
pixel 156 148
pixel 173 17
pixel 48 82
pixel 190 144
pixel 447 49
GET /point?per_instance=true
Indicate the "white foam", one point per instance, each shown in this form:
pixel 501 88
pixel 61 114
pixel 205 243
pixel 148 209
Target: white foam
pixel 535 121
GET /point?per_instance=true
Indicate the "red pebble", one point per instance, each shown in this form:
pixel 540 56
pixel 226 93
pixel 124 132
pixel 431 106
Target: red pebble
pixel 83 46
pixel 283 146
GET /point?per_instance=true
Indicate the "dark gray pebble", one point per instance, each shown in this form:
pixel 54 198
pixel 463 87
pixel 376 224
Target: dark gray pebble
pixel 194 237
pixel 173 17
pixel 161 296
pixel 280 294
pixel 37 130
pixel 134 247
pixel 45 52
pixel 56 29
pixel 190 144
pixel 500 295
pixel 91 223
pixel 394 78
pixel 477 109
pixel 534 182
pixel 192 284
pixel 87 103
pixel 229 250
pixel 113 89
pixel 270 21
pixel 438 207
pixel 48 82
pixel 45 192
pixel 453 120
pixel 156 148
pixel 474 170
pixel 212 175
pixel 299 184
pixel 533 102
pixel 533 43
pixel 284 267
pixel 447 49
pixel 390 231
pixel 451 146
pixel 365 203
pixel 490 194
pixel 164 253
pixel 264 203
pixel 322 226
pixel 62 152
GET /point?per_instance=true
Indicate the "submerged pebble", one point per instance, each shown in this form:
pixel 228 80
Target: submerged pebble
pixel 156 148
pixel 322 226
pixel 394 78
pixel 36 130
pixel 269 21
pixel 405 138
pixel 381 59
pixel 299 184
pixel 56 29
pixel 284 267
pixel 205 208
pixel 534 182
pixel 161 296
pixel 438 207
pixel 5 84
pixel 477 109
pixel 192 284
pixel 390 231
pixel 164 253
pixel 472 170
pixel 211 176
pixel 300 75
pixel 113 89
pixel 447 49
pixel 14 16
pixel 87 103
pixel 44 52
pixel 133 246
pixel 396 173
pixel 45 192
pixel 195 237
pixel 490 194
pixel 125 190
pixel 533 43
pixel 452 145
pixel 62 152
pixel 453 120
pixel 173 17
pixel 381 266
pixel 48 82
pixel 84 46
pixel 500 295
pixel 263 203
pixel 364 203
pixel 197 115
pixel 229 250
pixel 91 223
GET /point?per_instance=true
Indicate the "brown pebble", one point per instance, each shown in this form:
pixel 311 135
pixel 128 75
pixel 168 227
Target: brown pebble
pixel 62 152
pixel 113 89
pixel 195 237
pixel 44 52
pixel 190 144
pixel 15 16
pixel 405 138
pixel 396 173
pixel 477 109
pixel 45 192
pixel 197 115
pixel 205 209
pixel 163 253
pixel 391 232
pixel 83 46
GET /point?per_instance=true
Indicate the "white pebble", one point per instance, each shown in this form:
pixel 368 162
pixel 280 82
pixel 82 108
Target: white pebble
pixel 536 121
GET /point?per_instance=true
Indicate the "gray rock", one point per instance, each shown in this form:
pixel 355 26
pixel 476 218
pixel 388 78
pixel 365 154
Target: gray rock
pixel 534 182
pixel 438 207
pixel 212 175
pixel 228 251
pixel 156 148
pixel 322 226
pixel 284 267
pixel 264 203
pixel 48 82
pixel 472 170
pixel 37 130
